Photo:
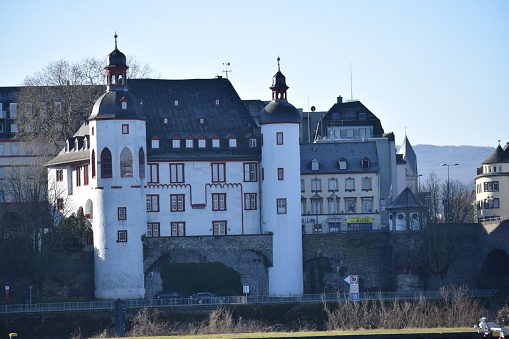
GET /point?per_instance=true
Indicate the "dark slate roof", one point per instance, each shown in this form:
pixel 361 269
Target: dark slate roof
pixel 408 153
pixel 347 114
pixel 196 99
pixel 108 106
pixel 80 155
pixel 328 155
pixel 405 200
pixel 280 111
pixel 499 155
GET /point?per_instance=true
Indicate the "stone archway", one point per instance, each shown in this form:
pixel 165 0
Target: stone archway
pixel 495 270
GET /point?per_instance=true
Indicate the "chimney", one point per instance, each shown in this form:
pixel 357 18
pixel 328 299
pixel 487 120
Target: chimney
pixel 340 99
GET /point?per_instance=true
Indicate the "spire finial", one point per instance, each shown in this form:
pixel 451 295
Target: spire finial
pixel 278 68
pixel 115 36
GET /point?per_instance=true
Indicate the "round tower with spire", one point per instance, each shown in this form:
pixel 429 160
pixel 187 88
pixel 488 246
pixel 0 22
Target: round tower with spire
pixel 117 157
pixel 281 209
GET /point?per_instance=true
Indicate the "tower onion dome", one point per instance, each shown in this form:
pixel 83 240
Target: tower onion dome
pixel 116 58
pixel 279 110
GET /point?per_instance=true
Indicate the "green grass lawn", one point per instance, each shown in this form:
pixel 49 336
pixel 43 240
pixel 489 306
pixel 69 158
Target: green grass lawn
pixel 314 334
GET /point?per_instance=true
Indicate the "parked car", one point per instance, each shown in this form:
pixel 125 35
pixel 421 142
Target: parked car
pixel 204 298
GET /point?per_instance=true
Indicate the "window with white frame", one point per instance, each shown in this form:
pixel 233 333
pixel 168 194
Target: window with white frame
pixel 491 186
pixel 153 173
pixel 177 173
pixel 249 201
pixel 202 143
pixel 281 206
pixel 349 184
pixel 280 174
pixel 316 185
pixel 152 202
pixel 215 143
pixel 342 164
pixel 122 236
pixel 14 128
pixel 13 110
pixel 175 143
pixel 316 205
pixel 178 229
pixel 153 229
pixel 219 227
pixel 189 143
pixel 177 202
pixel 279 138
pixel 333 184
pixel 122 213
pixel 333 205
pixel 252 142
pixel 366 184
pixel 365 163
pixel 232 142
pixel 250 171
pixel 218 172
pixel 350 205
pixel 155 143
pixel 367 205
pixel 219 201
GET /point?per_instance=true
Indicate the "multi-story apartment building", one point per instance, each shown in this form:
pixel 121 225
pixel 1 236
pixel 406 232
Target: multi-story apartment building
pixel 492 186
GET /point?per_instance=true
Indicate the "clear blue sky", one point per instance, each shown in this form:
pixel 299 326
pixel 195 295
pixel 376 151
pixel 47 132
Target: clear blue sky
pixel 437 68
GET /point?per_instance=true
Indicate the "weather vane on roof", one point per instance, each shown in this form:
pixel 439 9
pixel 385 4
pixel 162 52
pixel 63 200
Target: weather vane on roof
pixel 115 36
pixel 226 70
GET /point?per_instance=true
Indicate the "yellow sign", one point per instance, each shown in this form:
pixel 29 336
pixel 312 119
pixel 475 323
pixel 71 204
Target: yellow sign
pixel 363 220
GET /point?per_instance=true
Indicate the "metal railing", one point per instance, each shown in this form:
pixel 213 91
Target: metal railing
pixel 252 299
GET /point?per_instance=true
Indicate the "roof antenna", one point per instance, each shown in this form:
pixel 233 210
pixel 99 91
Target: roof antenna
pixel 226 70
pixel 351 83
pixel 115 36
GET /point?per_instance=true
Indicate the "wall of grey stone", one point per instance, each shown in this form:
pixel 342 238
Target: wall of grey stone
pixel 250 255
pixel 330 258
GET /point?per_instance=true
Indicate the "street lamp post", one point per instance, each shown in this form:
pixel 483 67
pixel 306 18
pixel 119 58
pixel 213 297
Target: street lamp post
pixel 448 191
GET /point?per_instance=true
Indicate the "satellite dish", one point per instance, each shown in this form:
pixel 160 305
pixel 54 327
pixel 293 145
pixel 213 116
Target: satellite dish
pixel 313 108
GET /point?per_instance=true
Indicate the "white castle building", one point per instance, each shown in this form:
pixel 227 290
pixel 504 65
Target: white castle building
pixel 181 158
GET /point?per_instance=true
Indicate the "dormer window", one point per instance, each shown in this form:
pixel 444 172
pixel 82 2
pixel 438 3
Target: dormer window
pixel 215 142
pixel 315 165
pixel 176 102
pixel 165 120
pixel 123 102
pixel 67 145
pixel 342 164
pixel 75 144
pixel 217 102
pixel 202 142
pixel 85 143
pixel 176 142
pixel 232 142
pixel 252 141
pixel 365 163
pixel 189 142
pixel 155 142
pixel 201 121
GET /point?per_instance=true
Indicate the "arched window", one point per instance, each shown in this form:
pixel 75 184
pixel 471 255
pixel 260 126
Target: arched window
pixel 126 163
pixel 106 164
pixel 93 163
pixel 141 162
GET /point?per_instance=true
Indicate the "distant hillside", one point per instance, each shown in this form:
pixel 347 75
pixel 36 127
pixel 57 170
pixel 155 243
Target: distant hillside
pixel 469 158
